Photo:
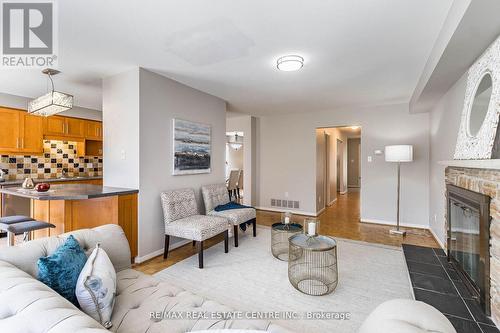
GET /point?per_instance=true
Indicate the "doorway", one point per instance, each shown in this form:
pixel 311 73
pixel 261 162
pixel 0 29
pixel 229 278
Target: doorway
pixel 354 166
pixel 338 167
pixel 234 165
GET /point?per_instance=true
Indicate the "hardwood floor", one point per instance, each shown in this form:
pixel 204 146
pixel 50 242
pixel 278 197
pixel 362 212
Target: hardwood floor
pixel 341 219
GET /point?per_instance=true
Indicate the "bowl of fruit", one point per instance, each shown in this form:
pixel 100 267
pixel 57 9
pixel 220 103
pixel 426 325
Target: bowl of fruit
pixel 42 187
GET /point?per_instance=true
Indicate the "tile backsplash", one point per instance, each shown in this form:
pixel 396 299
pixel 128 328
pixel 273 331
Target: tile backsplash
pixel 57 156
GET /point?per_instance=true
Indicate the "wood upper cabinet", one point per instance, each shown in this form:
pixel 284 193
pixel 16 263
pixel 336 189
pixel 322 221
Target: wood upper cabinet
pixel 31 133
pixel 9 129
pixel 93 130
pixel 55 125
pixel 75 127
pixel 20 132
pixel 65 126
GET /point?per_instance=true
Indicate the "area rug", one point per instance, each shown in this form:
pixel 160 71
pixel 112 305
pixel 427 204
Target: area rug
pixel 249 278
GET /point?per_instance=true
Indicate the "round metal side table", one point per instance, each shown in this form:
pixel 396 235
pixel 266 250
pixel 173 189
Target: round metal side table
pixel 280 232
pixel 312 268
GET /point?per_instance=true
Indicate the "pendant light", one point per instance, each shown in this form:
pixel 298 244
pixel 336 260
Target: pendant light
pixel 51 103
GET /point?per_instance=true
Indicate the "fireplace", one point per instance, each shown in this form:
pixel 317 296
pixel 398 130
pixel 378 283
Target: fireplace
pixel 468 215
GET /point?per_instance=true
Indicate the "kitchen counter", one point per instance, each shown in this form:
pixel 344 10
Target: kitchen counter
pixel 49 180
pixel 74 206
pixel 69 192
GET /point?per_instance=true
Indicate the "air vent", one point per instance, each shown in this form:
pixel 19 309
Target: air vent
pixel 285 203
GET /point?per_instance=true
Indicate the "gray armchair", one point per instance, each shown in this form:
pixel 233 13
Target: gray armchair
pixel 215 195
pixel 182 220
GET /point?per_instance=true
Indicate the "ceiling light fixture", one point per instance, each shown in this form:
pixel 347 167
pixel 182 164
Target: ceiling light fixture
pixel 290 63
pixel 354 127
pixel 51 103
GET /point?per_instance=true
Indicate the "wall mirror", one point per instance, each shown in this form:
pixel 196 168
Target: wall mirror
pixel 477 135
pixel 479 106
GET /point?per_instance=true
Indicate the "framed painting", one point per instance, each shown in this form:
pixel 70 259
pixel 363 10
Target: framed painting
pixel 192 147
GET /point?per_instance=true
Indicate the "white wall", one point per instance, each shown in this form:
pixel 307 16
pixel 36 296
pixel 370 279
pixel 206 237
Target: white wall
pixel 20 102
pixel 247 125
pixel 287 160
pixel 162 100
pixel 444 124
pixel 121 140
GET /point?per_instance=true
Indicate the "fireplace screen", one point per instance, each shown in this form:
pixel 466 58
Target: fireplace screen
pixel 464 239
pixel 468 240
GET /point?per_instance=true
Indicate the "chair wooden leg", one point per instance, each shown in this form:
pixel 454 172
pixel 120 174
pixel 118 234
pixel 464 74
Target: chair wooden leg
pixel 167 243
pixel 226 241
pixel 238 192
pixel 194 243
pixel 254 225
pixel 236 235
pixel 200 254
pixel 230 192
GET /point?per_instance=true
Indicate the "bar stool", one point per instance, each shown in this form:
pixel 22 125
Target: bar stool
pixel 15 225
pixel 8 220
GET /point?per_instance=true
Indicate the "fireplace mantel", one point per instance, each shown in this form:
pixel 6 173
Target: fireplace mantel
pixel 474 164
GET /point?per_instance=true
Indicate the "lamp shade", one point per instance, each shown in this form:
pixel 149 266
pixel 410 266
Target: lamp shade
pixel 399 153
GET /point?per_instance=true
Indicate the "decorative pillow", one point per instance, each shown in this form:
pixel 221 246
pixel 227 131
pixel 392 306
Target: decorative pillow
pixel 96 287
pixel 60 270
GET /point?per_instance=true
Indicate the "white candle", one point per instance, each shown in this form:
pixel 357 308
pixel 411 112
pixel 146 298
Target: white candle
pixel 311 228
pixel 287 220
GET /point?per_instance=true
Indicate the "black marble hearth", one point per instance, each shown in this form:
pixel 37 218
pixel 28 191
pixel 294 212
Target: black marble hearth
pixel 436 282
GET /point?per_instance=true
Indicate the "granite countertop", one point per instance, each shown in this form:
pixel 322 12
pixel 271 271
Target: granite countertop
pixel 69 192
pixel 48 180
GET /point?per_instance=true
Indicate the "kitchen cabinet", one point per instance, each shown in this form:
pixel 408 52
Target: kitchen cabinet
pixel 93 130
pixel 21 132
pixel 31 133
pixel 75 127
pixel 64 126
pixel 10 130
pixel 55 125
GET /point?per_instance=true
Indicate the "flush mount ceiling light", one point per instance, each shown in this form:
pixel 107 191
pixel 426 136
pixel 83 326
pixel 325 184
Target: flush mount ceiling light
pixel 290 63
pixel 51 103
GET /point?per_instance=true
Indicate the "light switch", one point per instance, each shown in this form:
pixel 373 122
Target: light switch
pixel 370 159
pixel 123 154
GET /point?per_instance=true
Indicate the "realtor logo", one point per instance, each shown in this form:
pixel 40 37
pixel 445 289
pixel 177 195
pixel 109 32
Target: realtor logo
pixel 28 34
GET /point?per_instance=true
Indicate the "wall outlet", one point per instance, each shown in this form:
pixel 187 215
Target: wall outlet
pixel 370 159
pixel 123 154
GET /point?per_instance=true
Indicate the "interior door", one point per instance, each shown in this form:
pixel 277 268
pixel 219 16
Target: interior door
pixel 9 133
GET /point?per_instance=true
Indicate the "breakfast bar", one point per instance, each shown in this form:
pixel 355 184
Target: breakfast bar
pixel 78 206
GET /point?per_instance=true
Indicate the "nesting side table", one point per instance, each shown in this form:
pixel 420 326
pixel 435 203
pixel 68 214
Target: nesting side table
pixel 280 233
pixel 312 268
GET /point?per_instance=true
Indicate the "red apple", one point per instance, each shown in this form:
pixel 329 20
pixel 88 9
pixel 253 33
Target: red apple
pixel 42 187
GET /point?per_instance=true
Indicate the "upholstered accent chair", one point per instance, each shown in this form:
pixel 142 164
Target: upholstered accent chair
pixel 215 195
pixel 182 220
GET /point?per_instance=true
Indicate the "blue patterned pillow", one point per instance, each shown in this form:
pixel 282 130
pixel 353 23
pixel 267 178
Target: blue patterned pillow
pixel 60 270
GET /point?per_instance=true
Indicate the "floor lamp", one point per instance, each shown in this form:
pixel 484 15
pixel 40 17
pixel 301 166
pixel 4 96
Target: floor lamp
pixel 398 154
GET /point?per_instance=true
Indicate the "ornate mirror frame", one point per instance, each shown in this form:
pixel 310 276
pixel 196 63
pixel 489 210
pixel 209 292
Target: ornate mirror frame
pixel 480 146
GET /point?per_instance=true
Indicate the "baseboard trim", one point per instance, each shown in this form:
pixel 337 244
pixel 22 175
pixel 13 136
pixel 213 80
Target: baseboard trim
pixel 437 239
pixel 279 210
pixel 320 211
pixel 151 255
pixel 332 202
pixel 384 222
pixel 343 192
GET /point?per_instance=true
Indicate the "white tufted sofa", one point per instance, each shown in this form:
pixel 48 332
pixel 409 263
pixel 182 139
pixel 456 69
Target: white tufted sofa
pixel 29 306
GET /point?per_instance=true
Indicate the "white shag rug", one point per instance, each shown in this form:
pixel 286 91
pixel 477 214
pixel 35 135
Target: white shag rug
pixel 249 278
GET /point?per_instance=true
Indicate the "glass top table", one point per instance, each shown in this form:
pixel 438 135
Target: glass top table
pixel 312 268
pixel 280 233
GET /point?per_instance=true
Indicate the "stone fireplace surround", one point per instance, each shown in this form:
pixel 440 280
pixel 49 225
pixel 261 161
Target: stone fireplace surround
pixel 485 181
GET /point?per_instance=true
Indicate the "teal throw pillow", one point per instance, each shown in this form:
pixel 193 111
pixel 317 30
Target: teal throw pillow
pixel 60 270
